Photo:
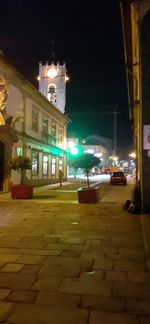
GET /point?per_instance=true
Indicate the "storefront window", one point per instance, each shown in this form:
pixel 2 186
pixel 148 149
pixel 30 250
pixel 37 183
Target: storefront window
pixel 53 166
pixel 60 165
pixel 35 163
pixel 45 164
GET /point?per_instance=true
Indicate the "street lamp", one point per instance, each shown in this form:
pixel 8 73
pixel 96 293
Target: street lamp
pixel 75 151
pixel 132 155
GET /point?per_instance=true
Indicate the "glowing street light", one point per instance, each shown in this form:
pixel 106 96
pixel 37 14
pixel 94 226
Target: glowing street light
pixel 75 151
pixel 115 158
pixel 132 155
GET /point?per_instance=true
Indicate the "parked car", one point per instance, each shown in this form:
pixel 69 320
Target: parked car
pixel 118 178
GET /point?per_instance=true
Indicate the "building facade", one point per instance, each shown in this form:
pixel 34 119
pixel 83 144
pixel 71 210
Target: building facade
pixel 136 34
pixel 32 126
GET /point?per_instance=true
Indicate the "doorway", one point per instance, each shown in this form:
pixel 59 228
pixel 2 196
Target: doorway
pixel 1 165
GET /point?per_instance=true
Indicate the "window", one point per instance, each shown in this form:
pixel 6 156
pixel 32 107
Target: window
pixel 35 163
pixel 53 132
pixel 60 165
pixel 51 95
pixel 60 134
pixel 45 125
pixel 35 119
pixel 53 129
pixel 45 164
pixel 53 166
pixel 19 151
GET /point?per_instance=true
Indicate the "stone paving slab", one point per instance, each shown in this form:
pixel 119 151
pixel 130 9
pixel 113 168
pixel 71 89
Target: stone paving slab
pixel 16 280
pixel 107 318
pixel 106 304
pixel 86 286
pixel 5 310
pixel 37 313
pixel 57 299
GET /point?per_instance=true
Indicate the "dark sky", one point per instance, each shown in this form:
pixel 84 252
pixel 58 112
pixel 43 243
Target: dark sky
pixel 89 39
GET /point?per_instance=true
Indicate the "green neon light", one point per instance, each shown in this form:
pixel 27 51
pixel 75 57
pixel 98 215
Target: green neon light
pixel 51 150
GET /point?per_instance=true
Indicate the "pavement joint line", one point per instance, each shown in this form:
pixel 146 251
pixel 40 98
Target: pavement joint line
pixel 145 240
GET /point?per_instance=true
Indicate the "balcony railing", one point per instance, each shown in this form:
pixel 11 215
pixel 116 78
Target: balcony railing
pixel 50 139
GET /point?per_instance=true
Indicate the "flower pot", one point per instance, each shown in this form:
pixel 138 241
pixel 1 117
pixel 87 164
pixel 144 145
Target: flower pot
pixel 89 195
pixel 21 191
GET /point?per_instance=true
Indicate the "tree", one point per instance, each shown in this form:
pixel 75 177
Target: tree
pixel 75 165
pixel 86 162
pixel 20 164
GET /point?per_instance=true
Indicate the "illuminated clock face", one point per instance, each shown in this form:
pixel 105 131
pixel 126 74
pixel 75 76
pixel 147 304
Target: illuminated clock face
pixel 52 73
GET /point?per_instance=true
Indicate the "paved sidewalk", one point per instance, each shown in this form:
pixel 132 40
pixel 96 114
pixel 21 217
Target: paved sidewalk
pixel 63 264
pixel 68 264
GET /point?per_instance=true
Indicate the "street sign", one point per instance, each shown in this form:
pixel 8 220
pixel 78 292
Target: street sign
pixel 146 137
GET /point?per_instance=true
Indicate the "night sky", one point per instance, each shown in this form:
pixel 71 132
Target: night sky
pixel 88 38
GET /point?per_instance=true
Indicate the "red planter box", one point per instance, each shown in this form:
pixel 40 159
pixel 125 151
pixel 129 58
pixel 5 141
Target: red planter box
pixel 91 195
pixel 21 191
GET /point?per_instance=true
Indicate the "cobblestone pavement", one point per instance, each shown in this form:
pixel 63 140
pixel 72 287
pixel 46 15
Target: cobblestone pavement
pixel 72 263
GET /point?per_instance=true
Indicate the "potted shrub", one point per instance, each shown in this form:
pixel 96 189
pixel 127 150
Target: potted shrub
pixel 22 190
pixel 88 194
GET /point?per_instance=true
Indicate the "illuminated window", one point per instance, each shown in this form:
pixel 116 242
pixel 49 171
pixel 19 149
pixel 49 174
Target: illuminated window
pixel 35 119
pixel 53 166
pixel 19 151
pixel 35 163
pixel 45 164
pixel 52 93
pixel 60 167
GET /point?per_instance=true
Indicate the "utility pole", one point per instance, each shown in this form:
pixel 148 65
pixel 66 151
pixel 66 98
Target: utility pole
pixel 115 130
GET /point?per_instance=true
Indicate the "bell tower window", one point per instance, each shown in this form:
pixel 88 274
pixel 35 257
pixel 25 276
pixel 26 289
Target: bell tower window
pixel 52 93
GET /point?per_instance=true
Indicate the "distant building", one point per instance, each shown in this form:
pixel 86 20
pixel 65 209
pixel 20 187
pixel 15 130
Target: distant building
pixel 96 145
pixel 105 144
pixel 32 126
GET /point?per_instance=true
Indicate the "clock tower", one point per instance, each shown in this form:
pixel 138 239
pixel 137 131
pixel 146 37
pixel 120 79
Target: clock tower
pixel 52 83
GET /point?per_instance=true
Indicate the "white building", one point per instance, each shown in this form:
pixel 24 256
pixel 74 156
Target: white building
pixel 32 126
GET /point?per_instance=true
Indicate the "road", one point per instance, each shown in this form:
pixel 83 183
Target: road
pixel 68 192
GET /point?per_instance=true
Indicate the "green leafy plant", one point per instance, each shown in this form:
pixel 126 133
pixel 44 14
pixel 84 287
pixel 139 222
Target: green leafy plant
pixel 20 164
pixel 74 164
pixel 86 162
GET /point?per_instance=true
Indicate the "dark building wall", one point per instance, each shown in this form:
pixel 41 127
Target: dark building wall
pixel 145 66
